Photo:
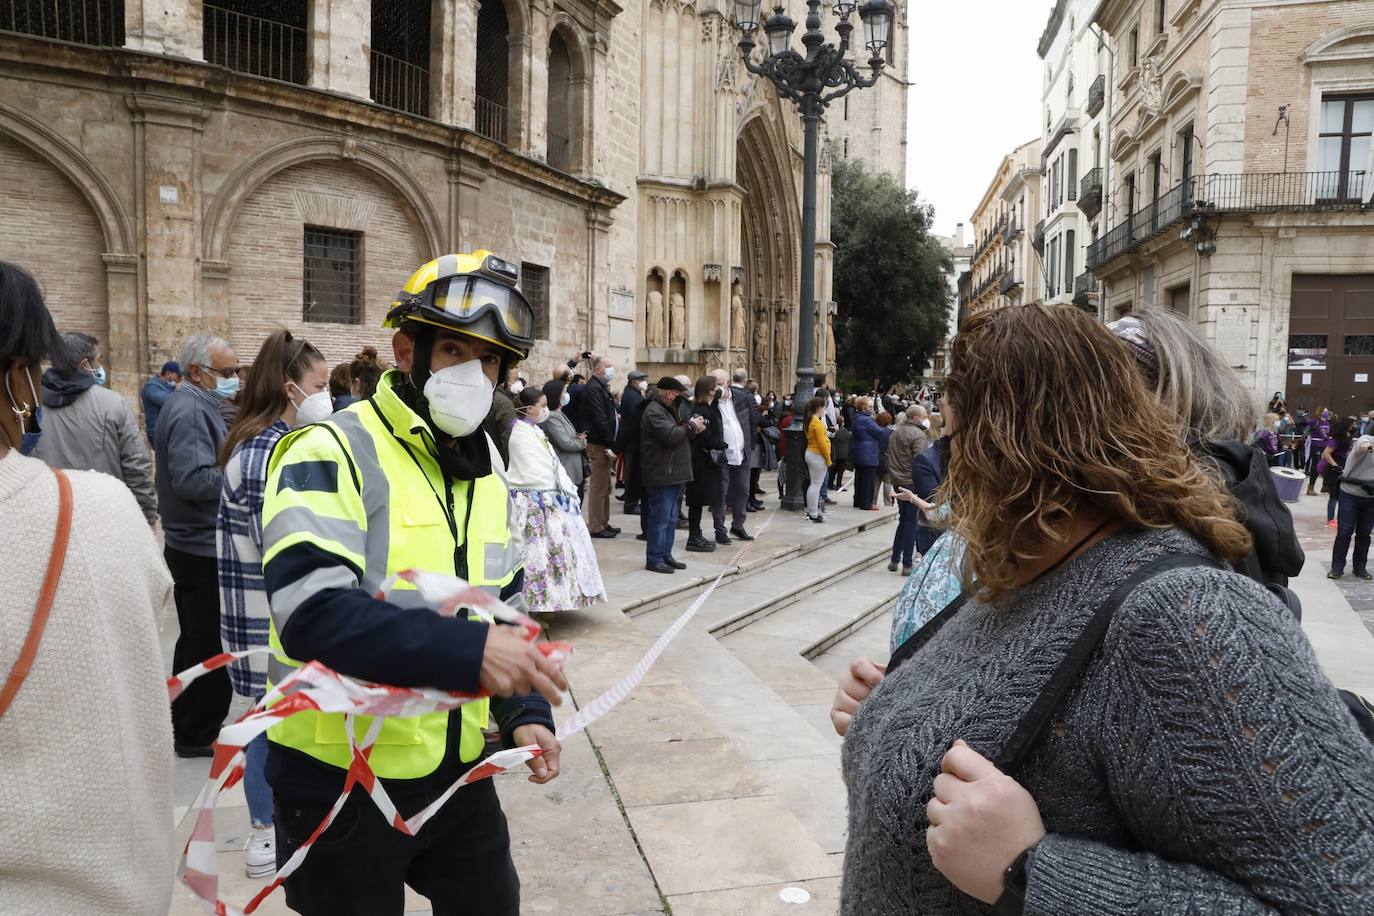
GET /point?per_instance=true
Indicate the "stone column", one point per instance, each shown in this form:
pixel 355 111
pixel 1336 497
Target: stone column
pixel 167 166
pixel 453 56
pixel 538 108
pixel 339 38
pixel 172 27
pixel 598 288
pixel 126 356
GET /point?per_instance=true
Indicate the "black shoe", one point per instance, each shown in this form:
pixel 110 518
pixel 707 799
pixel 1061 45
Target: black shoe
pixel 698 544
pixel 612 529
pixel 641 536
pixel 740 534
pixel 830 502
pixel 1363 574
pixel 816 518
pixel 632 510
pixel 605 533
pixel 756 506
pixel 659 568
pixel 675 563
pixel 906 570
pixel 892 567
pixel 682 525
pixel 1335 574
pixel 722 538
pixel 190 751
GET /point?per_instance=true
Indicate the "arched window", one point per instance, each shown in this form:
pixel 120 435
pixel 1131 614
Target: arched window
pixel 493 71
pixel 561 108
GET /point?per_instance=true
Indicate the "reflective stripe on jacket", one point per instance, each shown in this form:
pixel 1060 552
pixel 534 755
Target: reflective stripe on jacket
pixel 365 488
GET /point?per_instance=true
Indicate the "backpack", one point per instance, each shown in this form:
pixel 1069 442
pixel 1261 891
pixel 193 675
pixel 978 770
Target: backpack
pixel 1032 726
pixel 1276 554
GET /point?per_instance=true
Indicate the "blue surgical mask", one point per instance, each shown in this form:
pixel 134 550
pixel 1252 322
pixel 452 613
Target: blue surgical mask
pixel 99 374
pixel 31 427
pixel 28 442
pixel 225 388
pixel 563 401
pixel 610 374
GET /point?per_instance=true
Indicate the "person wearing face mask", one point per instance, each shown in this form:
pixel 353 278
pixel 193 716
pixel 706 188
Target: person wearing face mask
pixel 600 421
pixel 288 387
pixel 190 432
pixel 87 427
pixel 570 445
pixel 84 733
pixel 908 440
pixel 561 572
pixel 407 480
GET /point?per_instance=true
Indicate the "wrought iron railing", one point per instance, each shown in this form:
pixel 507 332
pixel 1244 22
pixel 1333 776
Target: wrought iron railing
pixel 491 118
pixel 1012 231
pixel 250 44
pixel 1084 285
pixel 993 234
pixel 84 22
pixel 560 152
pixel 1242 192
pixel 1009 281
pixel 400 84
pixel 1090 193
pixel 1097 93
pixel 1038 237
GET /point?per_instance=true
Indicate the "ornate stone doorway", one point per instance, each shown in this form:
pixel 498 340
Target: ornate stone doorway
pixel 770 239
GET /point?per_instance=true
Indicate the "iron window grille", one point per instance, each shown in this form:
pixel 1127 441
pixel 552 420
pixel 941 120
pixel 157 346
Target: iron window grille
pixel 265 39
pixel 534 283
pixel 84 22
pixel 400 55
pixel 332 289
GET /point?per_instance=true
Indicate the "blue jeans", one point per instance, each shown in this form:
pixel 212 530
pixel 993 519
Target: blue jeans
pixel 904 540
pixel 660 510
pixel 255 787
pixel 1356 518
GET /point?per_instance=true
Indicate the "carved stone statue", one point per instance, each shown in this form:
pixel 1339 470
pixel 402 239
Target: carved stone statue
pixel 816 328
pixel 737 329
pixel 830 344
pixel 1151 85
pixel 654 334
pixel 780 348
pixel 677 320
pixel 760 338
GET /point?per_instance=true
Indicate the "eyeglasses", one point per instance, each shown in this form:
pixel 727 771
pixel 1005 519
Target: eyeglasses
pixel 229 372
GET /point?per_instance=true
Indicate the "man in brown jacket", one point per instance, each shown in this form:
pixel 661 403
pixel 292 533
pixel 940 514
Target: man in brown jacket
pixel 908 440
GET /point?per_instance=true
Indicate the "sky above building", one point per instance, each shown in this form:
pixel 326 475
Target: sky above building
pixel 976 97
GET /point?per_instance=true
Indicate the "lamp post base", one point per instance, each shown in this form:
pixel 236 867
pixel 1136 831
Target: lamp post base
pixel 794 481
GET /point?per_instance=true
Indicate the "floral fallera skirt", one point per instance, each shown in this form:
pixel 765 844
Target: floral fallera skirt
pixel 561 572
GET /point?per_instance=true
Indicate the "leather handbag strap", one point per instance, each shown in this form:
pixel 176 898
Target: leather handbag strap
pixel 45 597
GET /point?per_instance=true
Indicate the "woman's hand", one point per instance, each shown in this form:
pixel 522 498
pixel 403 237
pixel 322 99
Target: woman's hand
pixel 855 686
pixel 980 821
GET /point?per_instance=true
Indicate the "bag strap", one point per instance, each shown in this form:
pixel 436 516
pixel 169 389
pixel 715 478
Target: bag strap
pixel 1034 723
pixel 45 597
pixel 917 640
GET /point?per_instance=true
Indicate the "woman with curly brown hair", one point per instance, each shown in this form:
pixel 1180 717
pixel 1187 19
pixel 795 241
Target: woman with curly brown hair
pixel 1200 762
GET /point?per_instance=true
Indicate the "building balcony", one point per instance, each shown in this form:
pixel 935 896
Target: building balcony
pixel 1038 239
pixel 1014 228
pixel 399 84
pixel 1090 193
pixel 1009 283
pixel 1248 192
pixel 252 44
pixel 83 22
pixel 993 235
pixel 1084 289
pixel 1097 94
pixel 491 118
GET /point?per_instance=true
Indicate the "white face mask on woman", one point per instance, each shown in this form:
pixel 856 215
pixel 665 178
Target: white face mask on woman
pixel 314 407
pixel 459 398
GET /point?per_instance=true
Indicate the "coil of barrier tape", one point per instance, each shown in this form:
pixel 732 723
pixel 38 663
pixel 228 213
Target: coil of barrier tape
pixel 314 687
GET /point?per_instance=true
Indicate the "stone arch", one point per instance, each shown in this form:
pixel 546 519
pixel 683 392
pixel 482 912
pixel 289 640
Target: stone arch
pixel 1355 42
pixel 567 103
pixel 240 185
pixel 48 145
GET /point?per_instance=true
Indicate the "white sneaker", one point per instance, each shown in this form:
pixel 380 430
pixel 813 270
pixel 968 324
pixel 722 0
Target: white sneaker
pixel 260 855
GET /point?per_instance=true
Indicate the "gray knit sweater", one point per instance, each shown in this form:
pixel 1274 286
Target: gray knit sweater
pixel 1203 764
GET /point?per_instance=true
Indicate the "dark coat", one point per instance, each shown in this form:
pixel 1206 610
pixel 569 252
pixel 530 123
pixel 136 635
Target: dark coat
pixel 705 488
pixel 927 470
pixel 627 439
pixel 598 412
pixel 746 411
pixel 664 446
pixel 865 450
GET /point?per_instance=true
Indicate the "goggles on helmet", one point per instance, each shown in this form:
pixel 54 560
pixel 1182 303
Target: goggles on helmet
pixel 476 306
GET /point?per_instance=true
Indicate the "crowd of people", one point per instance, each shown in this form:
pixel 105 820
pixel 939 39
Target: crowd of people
pixel 1099 698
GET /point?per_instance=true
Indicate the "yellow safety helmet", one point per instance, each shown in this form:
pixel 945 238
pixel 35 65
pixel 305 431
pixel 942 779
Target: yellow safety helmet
pixel 474 294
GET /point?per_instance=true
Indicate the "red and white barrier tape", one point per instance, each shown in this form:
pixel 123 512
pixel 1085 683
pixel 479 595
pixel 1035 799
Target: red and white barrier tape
pixel 315 688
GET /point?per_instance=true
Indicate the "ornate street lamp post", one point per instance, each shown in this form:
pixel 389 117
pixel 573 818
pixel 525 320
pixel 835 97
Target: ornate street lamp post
pixel 812 80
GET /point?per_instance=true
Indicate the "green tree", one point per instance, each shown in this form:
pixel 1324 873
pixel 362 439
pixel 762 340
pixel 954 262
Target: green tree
pixel 890 280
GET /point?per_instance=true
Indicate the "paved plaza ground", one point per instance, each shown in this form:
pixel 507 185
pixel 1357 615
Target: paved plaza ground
pixel 715 787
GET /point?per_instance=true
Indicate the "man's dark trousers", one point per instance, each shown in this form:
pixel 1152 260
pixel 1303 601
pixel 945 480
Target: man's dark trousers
pixel 359 866
pixel 200 710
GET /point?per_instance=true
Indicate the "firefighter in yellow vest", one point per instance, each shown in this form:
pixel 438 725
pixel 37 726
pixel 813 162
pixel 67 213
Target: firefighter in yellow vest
pixel 406 479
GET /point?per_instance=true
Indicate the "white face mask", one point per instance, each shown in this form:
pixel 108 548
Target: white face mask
pixel 564 399
pixel 517 386
pixel 924 424
pixel 643 387
pixel 459 398
pixel 537 414
pixel 758 399
pixel 314 408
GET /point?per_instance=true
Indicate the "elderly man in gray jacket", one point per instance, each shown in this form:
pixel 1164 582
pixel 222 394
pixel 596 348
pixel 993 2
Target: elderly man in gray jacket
pixel 87 427
pixel 190 430
pixel 908 440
